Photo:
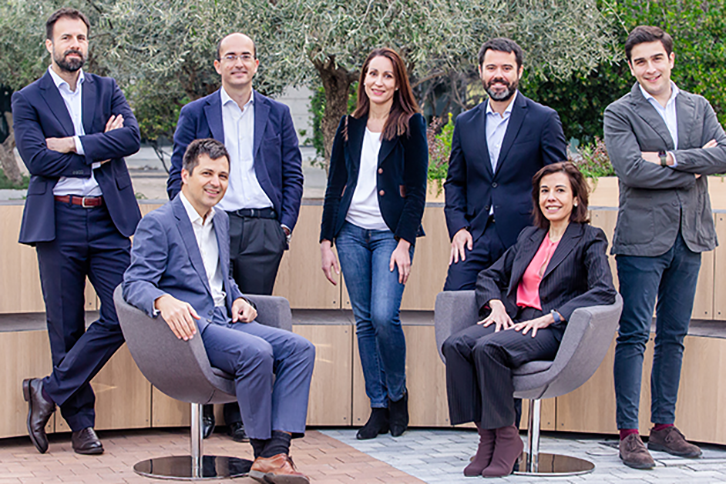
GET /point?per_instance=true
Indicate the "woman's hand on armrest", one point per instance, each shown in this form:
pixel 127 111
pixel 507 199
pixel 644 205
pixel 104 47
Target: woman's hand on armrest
pixel 498 316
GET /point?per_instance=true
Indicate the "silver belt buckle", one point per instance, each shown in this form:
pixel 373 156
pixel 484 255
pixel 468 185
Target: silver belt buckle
pixel 83 203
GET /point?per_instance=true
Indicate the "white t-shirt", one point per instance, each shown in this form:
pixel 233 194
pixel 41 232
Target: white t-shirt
pixel 364 210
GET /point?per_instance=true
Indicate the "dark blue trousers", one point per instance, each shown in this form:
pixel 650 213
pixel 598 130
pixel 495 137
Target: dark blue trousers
pixel 672 277
pixel 487 249
pixel 87 243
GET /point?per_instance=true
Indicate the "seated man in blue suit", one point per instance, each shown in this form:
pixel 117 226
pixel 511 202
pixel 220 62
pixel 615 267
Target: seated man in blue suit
pixel 497 148
pixel 180 270
pixel 72 130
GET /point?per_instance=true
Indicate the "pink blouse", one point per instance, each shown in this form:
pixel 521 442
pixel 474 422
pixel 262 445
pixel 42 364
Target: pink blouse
pixel 528 289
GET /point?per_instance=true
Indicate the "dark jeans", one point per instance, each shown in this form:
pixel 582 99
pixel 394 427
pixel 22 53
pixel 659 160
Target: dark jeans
pixel 487 249
pixel 672 278
pixel 479 363
pixel 87 243
pixel 375 295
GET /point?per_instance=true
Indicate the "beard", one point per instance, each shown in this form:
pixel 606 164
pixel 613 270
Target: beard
pixel 501 95
pixel 72 64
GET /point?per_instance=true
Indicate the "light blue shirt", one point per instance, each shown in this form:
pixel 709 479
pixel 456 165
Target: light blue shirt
pixel 668 113
pixel 244 189
pixel 496 129
pixel 86 187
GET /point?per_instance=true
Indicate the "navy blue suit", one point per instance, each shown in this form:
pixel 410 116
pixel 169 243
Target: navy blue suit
pixel 73 242
pixel 166 259
pixel 533 139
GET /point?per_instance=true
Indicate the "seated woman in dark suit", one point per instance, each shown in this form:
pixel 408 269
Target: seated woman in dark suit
pixel 555 267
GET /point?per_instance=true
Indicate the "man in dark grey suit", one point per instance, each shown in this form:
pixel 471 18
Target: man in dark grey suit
pixel 662 142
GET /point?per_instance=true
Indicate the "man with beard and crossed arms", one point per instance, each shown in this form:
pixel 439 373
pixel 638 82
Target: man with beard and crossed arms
pixel 73 130
pixel 497 148
pixel 265 176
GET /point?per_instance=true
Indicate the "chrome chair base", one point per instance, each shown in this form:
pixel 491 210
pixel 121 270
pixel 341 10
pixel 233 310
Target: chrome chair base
pixel 553 465
pixel 182 468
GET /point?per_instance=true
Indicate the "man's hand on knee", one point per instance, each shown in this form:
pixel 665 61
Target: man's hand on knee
pixel 179 315
pixel 242 311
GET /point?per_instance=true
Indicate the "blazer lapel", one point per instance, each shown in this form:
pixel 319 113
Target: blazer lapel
pixel 647 113
pixel 213 112
pixel 356 132
pixel 88 104
pixel 184 225
pixel 524 257
pixel 262 111
pixel 519 112
pixel 479 124
pixel 386 148
pixel 568 242
pixel 57 106
pixel 685 112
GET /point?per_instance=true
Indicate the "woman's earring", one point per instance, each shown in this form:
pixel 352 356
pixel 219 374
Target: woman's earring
pixel 575 203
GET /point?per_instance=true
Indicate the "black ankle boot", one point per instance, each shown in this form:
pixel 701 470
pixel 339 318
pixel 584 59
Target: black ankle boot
pixel 377 424
pixel 398 411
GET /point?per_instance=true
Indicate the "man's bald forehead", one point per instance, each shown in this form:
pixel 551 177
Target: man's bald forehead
pixel 235 34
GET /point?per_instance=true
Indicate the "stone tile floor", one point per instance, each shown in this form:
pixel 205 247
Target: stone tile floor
pixel 439 456
pixel 331 456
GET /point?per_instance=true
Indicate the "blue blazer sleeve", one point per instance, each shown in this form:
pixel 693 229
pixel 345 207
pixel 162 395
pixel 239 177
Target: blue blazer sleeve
pixel 415 174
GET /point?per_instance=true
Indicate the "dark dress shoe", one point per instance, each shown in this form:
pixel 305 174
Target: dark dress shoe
pixel 237 431
pixel 208 422
pixel 377 424
pixel 86 442
pixel 39 412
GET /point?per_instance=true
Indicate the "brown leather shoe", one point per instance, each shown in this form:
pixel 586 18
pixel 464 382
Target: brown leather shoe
pixel 634 454
pixel 86 442
pixel 278 469
pixel 671 440
pixel 39 412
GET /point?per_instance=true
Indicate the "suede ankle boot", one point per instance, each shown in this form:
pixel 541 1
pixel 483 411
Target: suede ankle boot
pixel 507 449
pixel 398 412
pixel 377 424
pixel 484 453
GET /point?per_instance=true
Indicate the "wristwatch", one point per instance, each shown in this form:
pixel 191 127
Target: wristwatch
pixel 663 158
pixel 556 316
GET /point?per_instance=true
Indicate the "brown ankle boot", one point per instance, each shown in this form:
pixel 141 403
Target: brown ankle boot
pixel 507 449
pixel 484 453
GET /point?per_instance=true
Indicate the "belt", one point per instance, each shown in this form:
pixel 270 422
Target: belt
pixel 85 202
pixel 268 212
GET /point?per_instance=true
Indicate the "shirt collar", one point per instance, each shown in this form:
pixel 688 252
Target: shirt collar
pixel 60 82
pixel 194 216
pixel 508 110
pixel 649 97
pixel 226 98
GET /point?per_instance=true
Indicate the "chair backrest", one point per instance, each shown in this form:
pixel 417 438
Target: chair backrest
pixel 178 368
pixel 584 344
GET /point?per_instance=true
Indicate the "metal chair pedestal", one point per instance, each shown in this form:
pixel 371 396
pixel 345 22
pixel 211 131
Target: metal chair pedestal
pixel 195 466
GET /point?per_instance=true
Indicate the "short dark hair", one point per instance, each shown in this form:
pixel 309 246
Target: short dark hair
pixel 207 146
pixel 579 186
pixel 64 12
pixel 648 33
pixel 501 44
pixel 219 46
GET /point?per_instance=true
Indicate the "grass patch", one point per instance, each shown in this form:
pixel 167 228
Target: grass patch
pixel 5 183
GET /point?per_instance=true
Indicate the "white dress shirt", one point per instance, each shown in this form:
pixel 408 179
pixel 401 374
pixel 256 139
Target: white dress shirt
pixel 496 128
pixel 85 187
pixel 364 210
pixel 244 189
pixel 207 242
pixel 668 113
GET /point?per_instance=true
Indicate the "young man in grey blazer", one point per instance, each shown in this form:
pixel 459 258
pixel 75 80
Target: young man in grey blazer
pixel 662 142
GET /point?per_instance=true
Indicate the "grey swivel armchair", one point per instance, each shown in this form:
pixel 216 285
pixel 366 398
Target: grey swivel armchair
pixel 584 345
pixel 181 370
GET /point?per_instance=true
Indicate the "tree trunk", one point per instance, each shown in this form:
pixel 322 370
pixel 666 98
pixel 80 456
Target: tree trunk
pixel 7 154
pixel 336 83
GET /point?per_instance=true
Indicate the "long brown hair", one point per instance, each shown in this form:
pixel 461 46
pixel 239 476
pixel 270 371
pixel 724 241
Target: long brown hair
pixel 579 187
pixel 404 104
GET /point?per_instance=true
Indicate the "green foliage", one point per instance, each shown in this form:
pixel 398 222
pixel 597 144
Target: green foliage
pixel 439 140
pixel 592 160
pixel 156 111
pixel 6 184
pixel 699 33
pixel 317 110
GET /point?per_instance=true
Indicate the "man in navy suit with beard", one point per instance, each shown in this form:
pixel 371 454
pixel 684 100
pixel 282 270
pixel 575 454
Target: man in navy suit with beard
pixel 497 148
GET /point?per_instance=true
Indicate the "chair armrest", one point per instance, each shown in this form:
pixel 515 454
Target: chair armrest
pixel 455 310
pixel 272 311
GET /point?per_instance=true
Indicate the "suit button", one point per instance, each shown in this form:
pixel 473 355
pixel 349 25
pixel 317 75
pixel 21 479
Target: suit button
pixel 380 171
pixel 209 320
pixel 494 185
pixel 486 208
pixel 211 312
pixel 381 193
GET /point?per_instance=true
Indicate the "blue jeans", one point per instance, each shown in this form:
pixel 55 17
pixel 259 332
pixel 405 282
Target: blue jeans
pixel 375 295
pixel 672 277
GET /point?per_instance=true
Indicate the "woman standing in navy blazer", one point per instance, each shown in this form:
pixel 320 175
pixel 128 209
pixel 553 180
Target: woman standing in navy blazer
pixel 530 293
pixel 373 208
